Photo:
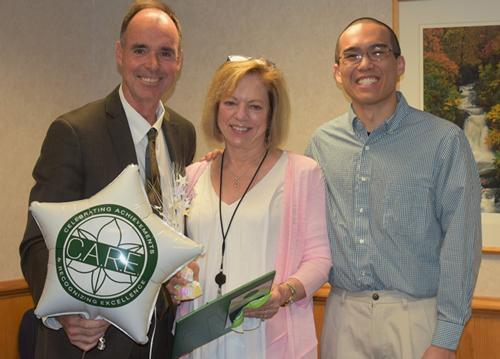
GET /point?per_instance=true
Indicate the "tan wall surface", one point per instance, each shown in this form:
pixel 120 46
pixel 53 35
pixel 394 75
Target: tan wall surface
pixel 58 54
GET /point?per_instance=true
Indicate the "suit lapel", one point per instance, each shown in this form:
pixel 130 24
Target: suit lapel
pixel 121 137
pixel 119 131
pixel 171 133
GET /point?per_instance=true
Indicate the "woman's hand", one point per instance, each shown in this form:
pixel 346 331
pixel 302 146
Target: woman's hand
pixel 178 281
pixel 212 155
pixel 173 286
pixel 195 267
pixel 269 309
pixel 281 295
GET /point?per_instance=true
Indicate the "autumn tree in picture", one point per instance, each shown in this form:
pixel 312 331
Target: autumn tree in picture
pixel 462 85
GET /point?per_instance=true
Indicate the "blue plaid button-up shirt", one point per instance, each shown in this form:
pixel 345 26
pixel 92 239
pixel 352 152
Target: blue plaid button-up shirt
pixel 403 210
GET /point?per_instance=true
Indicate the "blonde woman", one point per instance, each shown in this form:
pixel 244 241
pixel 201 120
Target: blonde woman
pixel 258 208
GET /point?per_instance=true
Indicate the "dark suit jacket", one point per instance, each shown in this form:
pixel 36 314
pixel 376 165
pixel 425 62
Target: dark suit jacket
pixel 83 151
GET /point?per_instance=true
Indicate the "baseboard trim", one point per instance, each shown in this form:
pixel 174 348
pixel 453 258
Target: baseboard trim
pixel 14 287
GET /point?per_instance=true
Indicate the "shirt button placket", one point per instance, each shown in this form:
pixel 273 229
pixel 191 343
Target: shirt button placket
pixel 361 217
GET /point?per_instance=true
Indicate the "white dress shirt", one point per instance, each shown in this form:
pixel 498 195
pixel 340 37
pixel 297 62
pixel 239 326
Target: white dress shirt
pixel 139 128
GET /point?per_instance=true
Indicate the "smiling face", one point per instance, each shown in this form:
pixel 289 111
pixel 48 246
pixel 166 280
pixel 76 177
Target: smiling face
pixel 369 84
pixel 148 58
pixel 243 116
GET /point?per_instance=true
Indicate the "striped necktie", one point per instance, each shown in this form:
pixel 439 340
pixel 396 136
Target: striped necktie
pixel 153 183
pixel 153 190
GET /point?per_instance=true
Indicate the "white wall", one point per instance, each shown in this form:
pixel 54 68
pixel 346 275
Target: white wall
pixel 58 54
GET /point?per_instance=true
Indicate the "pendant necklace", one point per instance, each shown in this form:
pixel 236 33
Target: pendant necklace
pixel 220 278
pixel 236 179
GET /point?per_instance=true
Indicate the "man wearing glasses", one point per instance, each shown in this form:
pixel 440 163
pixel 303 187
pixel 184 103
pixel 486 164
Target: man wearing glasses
pixel 404 212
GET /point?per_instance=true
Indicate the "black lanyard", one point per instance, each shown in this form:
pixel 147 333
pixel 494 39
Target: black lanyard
pixel 220 278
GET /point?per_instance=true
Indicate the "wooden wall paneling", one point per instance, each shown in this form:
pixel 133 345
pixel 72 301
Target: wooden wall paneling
pixel 15 299
pixel 485 329
pixel 487 336
pixel 481 336
pixel 466 346
pixel 395 16
pixel 319 311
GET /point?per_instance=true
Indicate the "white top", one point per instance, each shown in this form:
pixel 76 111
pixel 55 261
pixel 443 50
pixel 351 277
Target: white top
pixel 251 246
pixel 139 128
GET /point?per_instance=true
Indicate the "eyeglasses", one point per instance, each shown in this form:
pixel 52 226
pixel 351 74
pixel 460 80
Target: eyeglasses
pixel 238 58
pixel 241 58
pixel 375 53
pixel 248 325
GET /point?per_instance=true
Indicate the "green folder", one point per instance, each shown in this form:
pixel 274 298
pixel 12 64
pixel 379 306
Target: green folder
pixel 213 319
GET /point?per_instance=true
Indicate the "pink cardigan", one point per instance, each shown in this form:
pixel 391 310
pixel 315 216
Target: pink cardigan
pixel 303 253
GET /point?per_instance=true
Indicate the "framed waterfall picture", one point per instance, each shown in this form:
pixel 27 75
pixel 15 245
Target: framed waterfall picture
pixel 452 53
pixel 461 73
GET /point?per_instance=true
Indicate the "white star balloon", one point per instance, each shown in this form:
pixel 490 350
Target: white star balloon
pixel 109 255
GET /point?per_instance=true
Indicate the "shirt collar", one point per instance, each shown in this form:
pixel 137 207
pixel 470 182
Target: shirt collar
pixel 139 127
pixel 391 123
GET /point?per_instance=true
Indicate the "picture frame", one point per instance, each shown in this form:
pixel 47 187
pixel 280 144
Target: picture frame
pixel 415 16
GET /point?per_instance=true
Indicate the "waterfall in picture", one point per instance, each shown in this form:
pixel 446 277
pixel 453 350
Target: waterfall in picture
pixel 475 130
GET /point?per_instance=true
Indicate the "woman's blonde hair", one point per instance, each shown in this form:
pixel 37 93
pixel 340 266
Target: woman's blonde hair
pixel 224 83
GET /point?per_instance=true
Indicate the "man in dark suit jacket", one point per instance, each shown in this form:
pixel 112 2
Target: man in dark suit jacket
pixel 85 149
